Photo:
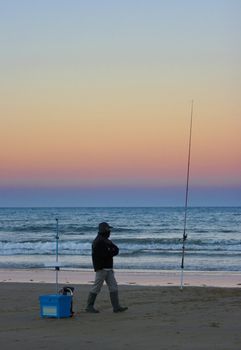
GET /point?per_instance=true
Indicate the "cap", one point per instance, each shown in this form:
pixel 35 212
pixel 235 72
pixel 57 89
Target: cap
pixel 104 226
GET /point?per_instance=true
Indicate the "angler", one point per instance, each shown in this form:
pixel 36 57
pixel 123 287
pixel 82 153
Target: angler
pixel 103 251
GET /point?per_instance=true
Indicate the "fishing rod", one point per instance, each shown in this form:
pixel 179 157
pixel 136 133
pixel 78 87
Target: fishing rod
pixel 57 255
pixel 186 197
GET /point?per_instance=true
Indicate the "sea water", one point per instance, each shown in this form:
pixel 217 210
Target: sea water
pixel 148 238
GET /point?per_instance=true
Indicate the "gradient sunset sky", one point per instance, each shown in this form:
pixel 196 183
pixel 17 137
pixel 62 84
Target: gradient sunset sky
pixel 96 96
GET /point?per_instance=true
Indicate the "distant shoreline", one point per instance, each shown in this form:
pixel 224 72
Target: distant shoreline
pixel 121 206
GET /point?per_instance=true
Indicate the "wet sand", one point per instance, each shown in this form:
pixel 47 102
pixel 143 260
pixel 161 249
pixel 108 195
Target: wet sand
pixel 126 277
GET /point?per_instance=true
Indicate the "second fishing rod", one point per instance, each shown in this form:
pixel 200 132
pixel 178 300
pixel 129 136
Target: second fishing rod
pixel 184 238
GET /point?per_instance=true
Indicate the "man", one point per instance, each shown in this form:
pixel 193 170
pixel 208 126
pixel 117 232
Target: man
pixel 103 251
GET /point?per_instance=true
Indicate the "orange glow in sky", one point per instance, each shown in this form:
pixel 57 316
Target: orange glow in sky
pixel 105 99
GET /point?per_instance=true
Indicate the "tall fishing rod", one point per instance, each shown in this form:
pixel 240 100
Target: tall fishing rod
pixel 186 197
pixel 57 255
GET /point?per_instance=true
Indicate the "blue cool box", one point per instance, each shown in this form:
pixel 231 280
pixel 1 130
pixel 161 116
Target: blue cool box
pixel 55 305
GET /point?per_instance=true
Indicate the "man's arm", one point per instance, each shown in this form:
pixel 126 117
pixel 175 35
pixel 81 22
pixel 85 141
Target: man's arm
pixel 114 249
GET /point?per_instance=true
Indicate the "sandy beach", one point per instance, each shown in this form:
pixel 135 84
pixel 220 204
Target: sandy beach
pixel 159 317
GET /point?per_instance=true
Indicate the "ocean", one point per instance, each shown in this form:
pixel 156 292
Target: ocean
pixel 148 238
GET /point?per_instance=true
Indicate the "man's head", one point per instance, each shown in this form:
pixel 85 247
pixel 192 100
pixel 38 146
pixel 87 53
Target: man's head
pixel 104 229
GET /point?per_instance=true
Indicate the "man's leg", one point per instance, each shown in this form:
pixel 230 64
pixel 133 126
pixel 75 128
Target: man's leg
pixel 113 288
pixel 95 289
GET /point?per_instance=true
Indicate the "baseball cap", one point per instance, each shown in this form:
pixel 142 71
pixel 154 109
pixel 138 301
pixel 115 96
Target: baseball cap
pixel 104 226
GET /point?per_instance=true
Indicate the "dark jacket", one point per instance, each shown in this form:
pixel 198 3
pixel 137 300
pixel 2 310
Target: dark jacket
pixel 103 251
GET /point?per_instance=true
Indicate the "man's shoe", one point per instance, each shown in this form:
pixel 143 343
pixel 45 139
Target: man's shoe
pixel 115 302
pixel 120 309
pixel 91 309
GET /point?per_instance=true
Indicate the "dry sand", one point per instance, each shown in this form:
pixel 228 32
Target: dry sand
pixel 158 318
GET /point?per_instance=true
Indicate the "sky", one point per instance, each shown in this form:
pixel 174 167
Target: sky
pixel 96 100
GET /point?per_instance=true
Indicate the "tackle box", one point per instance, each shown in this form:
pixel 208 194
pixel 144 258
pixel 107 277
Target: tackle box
pixel 55 305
